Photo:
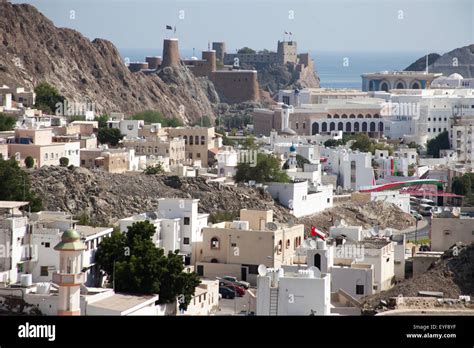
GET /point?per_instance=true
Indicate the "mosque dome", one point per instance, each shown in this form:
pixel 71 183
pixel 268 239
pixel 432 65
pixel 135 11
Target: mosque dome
pixel 456 76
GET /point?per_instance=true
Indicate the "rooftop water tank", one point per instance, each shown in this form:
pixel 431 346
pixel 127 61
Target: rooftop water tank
pixel 26 280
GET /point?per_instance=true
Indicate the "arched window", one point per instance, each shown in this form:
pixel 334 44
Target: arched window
pixel 415 85
pixel 352 116
pixel 340 126
pixel 329 116
pixel 381 127
pixel 368 116
pixel 324 127
pixel 372 126
pixel 400 85
pixel 348 127
pixel 356 127
pixel 288 243
pixel 185 140
pixel 336 116
pixel 279 247
pixel 191 140
pixel 344 116
pixel 315 128
pixel 332 126
pixel 196 139
pixel 360 116
pixel 317 261
pixel 384 86
pixel 376 116
pixel 215 244
pixel 203 140
pixel 214 261
pixel 364 126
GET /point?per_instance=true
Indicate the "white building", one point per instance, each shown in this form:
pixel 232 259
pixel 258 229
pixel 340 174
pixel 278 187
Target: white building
pixel 353 169
pixel 178 225
pixel 300 198
pixel 15 251
pixel 47 228
pixel 227 160
pixel 305 292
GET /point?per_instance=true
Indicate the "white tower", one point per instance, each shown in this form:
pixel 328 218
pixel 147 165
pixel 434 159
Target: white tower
pixel 292 163
pixel 70 277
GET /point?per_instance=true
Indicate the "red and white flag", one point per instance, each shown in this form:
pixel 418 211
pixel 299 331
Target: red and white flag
pixel 317 233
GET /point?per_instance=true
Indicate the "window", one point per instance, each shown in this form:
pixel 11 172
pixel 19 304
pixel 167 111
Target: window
pixel 203 140
pixel 287 243
pixel 186 221
pixel 44 271
pixel 279 247
pixel 359 289
pixel 198 155
pixel 186 241
pixel 46 245
pixel 214 243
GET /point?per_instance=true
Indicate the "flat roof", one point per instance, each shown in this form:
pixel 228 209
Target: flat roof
pixel 12 204
pixel 123 302
pixel 89 230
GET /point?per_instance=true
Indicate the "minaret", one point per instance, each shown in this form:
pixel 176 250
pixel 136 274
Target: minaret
pixel 70 277
pixel 292 163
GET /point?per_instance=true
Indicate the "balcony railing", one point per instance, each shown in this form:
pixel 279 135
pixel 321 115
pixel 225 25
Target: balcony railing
pixel 68 279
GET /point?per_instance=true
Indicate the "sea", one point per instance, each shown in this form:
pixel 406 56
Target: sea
pixel 335 69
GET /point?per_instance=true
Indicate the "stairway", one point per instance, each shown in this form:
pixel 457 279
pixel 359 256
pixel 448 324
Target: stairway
pixel 273 301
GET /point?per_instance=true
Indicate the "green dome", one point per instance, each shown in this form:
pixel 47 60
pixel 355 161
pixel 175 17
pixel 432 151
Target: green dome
pixel 70 240
pixel 70 236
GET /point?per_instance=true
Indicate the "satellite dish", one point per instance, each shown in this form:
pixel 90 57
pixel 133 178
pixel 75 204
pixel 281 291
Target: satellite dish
pixel 262 270
pixel 271 226
pixel 342 222
pixel 316 271
pixel 291 223
pixel 312 243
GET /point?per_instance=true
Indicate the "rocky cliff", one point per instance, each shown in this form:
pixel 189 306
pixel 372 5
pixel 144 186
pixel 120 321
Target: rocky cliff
pixel 459 60
pixel 107 197
pixel 32 50
pixel 273 77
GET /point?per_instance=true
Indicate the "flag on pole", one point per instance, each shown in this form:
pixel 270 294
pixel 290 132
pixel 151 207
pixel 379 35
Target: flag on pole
pixel 317 233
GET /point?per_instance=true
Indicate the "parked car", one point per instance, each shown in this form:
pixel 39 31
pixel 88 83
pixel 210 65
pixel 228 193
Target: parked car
pixel 240 291
pixel 226 292
pixel 241 283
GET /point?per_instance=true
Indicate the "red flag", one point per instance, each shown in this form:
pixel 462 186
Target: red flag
pixel 316 233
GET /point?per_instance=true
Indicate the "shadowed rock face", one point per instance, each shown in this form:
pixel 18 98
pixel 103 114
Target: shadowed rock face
pixel 32 50
pixel 459 60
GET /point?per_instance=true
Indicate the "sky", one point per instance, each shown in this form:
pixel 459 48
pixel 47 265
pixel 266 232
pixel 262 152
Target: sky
pixel 317 25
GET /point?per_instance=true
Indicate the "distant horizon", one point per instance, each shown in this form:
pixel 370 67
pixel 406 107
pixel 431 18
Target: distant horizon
pixel 366 26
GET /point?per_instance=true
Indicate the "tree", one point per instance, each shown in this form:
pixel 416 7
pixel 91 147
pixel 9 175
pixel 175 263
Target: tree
pixel 441 142
pixel 6 123
pixel 362 143
pixel 157 117
pixel 109 136
pixel 204 121
pixel 462 185
pixel 102 120
pixel 155 169
pixel 15 184
pixel 246 50
pixel 29 162
pixel 47 97
pixel 411 169
pixel 64 161
pixel 267 169
pixel 142 268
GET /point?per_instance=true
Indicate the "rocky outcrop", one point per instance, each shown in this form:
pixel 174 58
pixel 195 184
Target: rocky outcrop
pixel 273 77
pixel 107 197
pixel 32 50
pixel 420 64
pixel 459 60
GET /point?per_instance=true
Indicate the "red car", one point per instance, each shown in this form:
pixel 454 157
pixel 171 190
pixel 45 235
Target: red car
pixel 240 291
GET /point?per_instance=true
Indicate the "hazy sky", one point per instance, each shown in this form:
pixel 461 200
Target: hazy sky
pixel 317 25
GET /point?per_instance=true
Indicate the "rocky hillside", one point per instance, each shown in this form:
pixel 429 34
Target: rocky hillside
pixel 420 64
pixel 107 197
pixel 459 60
pixel 273 77
pixel 32 50
pixel 453 275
